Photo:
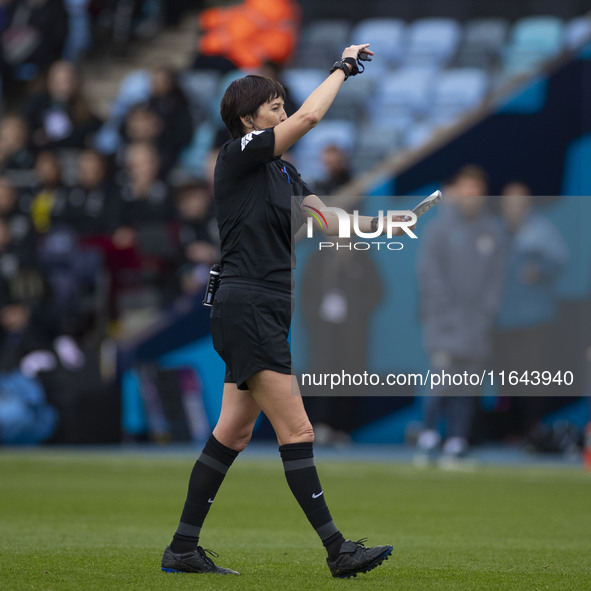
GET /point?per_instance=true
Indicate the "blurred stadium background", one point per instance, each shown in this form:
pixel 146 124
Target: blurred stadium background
pixel 109 129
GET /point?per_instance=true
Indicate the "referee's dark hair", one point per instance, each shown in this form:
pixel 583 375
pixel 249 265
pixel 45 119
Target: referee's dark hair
pixel 244 96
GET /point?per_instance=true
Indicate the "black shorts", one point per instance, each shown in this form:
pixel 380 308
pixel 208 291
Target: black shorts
pixel 249 327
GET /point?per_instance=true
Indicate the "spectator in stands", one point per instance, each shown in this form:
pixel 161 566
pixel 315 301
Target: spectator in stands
pixel 14 151
pixel 170 102
pixel 93 204
pixel 71 274
pixel 47 200
pixel 22 295
pixel 145 238
pixel 61 116
pixel 21 228
pixel 144 125
pixel 34 38
pixel 144 195
pixel 146 202
pixel 529 308
pixel 337 171
pixel 198 235
pixel 460 273
pixel 68 272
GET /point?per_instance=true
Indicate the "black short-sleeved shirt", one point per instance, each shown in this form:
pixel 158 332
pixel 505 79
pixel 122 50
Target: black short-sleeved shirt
pixel 258 198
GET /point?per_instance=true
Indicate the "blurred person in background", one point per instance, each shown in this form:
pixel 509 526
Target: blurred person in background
pixel 22 234
pixel 93 203
pixel 22 300
pixel 336 170
pixel 61 116
pixel 145 237
pixel 143 124
pixel 24 414
pixel 144 195
pixel 460 274
pixel 15 154
pixel 530 306
pixel 46 200
pixel 34 38
pixel 198 235
pixel 69 271
pixel 169 101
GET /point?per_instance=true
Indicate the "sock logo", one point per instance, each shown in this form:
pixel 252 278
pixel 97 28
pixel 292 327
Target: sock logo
pixel 315 496
pixel 210 500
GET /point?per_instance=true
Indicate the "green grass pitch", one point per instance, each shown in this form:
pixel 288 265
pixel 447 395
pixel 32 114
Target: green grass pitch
pixel 86 521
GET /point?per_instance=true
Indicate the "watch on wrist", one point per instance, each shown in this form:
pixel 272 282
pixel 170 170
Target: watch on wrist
pixel 341 65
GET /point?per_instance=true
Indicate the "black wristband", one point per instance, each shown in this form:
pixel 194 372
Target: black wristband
pixel 374 224
pixel 341 65
pixel 354 68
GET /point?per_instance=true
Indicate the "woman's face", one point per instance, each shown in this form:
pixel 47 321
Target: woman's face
pixel 270 114
pixel 48 168
pixel 91 169
pixel 162 82
pixel 62 81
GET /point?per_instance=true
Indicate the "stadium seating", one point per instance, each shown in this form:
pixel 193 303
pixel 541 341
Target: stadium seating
pixel 387 37
pixel 214 105
pixel 400 97
pixel 302 81
pixel 353 100
pixel 134 88
pixel 457 91
pixel 577 31
pixel 201 88
pixel 432 41
pixel 532 40
pixel 322 41
pixel 374 143
pixel 538 33
pixel 418 134
pixel 434 61
pixel 482 43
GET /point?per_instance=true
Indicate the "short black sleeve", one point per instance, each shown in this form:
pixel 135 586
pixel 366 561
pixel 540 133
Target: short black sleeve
pixel 250 151
pixel 258 198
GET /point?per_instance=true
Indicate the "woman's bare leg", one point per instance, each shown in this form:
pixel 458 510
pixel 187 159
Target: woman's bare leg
pixel 278 396
pixel 237 418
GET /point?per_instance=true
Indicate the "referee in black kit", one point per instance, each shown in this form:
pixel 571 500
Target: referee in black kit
pixel 259 200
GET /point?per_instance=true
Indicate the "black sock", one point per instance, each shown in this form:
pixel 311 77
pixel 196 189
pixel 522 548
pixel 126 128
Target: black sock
pixel 301 475
pixel 206 478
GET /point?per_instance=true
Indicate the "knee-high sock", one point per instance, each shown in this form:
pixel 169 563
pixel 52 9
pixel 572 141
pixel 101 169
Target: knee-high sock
pixel 301 475
pixel 206 478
